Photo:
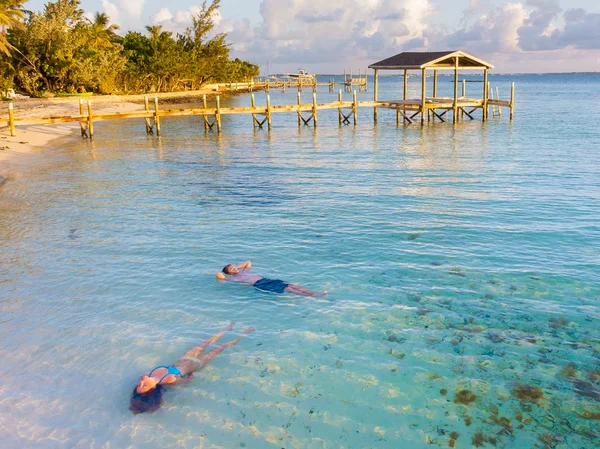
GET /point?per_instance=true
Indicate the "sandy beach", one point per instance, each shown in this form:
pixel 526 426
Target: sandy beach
pixel 33 138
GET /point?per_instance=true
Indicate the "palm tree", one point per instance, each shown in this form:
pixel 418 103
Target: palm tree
pixel 102 31
pixel 11 16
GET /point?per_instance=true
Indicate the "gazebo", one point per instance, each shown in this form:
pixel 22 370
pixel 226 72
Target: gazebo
pixel 454 60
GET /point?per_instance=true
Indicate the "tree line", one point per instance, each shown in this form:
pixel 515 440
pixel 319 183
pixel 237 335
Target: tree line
pixel 60 50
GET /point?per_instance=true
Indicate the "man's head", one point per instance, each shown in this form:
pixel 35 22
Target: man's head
pixel 230 269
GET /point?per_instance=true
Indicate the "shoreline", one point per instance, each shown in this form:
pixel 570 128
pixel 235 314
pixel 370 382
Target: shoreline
pixel 33 138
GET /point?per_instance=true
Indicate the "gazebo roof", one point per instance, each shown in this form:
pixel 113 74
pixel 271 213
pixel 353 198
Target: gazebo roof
pixel 431 60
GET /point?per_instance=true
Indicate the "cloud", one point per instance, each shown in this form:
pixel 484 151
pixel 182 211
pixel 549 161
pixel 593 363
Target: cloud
pixel 111 10
pixel 582 30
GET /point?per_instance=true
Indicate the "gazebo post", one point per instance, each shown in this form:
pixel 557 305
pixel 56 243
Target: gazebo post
pixel 485 95
pixel 455 103
pixel 375 93
pixel 405 87
pixel 423 94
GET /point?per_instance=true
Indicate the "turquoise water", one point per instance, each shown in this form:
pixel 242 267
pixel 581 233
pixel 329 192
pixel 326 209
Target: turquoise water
pixel 462 264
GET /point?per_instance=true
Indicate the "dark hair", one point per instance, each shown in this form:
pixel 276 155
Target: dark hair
pixel 226 267
pixel 148 402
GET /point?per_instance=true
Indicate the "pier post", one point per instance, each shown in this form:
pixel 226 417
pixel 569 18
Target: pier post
pixel 299 113
pixel 376 94
pixel 205 106
pixel 269 111
pixel 464 96
pixel 82 122
pixel 435 76
pixel 11 119
pixel 423 94
pixel 485 95
pixel 147 109
pixel 90 120
pixel 218 115
pixel 156 116
pixel 299 84
pixel 314 111
pixel 340 109
pixel 455 102
pixel 354 106
pixel 498 98
pixel 253 115
pixel 512 100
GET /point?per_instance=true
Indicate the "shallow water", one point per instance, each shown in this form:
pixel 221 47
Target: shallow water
pixel 461 264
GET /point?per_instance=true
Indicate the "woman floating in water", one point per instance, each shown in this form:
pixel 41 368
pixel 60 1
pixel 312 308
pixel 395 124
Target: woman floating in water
pixel 232 273
pixel 147 396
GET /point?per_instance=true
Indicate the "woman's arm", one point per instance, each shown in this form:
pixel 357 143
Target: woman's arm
pixel 221 276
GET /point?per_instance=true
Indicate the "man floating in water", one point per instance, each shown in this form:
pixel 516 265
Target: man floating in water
pixel 232 273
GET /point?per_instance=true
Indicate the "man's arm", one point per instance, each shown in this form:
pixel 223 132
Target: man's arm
pixel 221 276
pixel 245 265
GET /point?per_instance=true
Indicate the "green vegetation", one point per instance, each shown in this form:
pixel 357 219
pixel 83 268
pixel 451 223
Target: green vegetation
pixel 60 51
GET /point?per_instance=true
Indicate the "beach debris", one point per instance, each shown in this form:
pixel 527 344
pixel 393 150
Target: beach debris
pixel 527 393
pixel 464 397
pixel 4 148
pixel 24 143
pixel 2 180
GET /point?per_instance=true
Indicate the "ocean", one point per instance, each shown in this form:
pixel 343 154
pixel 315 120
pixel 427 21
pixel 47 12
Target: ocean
pixel 461 264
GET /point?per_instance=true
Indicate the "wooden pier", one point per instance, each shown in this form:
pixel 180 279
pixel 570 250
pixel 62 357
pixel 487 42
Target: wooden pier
pixel 307 113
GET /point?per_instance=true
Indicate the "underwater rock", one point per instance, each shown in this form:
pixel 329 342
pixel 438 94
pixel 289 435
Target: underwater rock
pixel 569 371
pixel 495 338
pixel 558 323
pixel 435 263
pixel 398 355
pixel 423 311
pixel 443 392
pixel 479 439
pixel 527 393
pixel 586 389
pixel 464 397
pixel 392 338
pixel 594 376
pixel 413 236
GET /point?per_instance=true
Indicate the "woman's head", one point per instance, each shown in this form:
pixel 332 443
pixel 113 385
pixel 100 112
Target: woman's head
pixel 146 402
pixel 230 269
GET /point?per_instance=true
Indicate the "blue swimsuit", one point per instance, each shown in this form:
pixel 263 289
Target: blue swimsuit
pixel 170 370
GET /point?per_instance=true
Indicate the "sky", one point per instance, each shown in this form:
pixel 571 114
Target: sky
pixel 326 36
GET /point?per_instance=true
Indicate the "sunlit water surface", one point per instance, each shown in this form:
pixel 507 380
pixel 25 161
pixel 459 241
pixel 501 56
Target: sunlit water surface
pixel 461 264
